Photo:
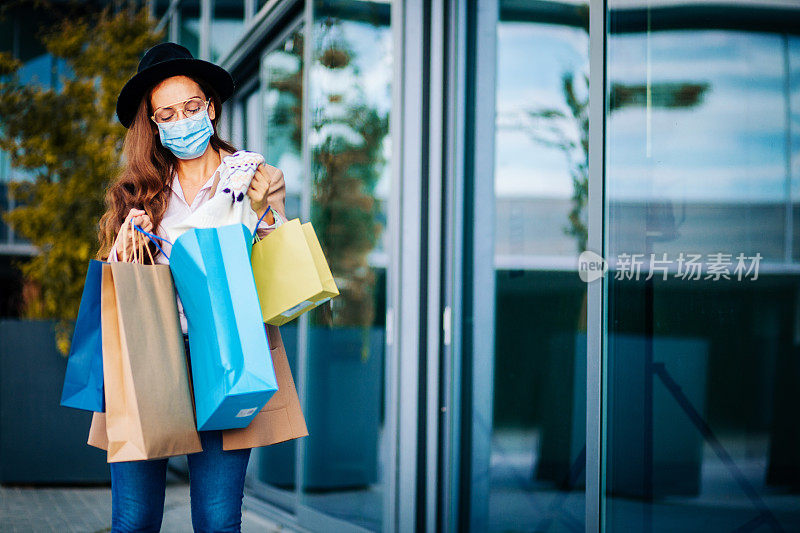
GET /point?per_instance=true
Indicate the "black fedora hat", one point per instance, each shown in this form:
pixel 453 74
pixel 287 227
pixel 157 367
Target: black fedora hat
pixel 163 61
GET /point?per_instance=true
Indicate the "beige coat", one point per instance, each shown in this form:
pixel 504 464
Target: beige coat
pixel 281 418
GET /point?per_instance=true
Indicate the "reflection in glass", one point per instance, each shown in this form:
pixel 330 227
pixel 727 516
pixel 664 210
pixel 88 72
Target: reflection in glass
pixel 792 153
pixel 539 419
pixel 5 231
pixel 282 77
pixel 37 68
pixel 20 29
pixel 160 8
pixel 252 121
pixel 227 25
pixel 702 365
pixel 349 92
pixel 277 108
pixel 189 30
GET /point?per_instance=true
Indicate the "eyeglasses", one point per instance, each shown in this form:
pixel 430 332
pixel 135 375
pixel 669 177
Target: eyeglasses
pixel 191 109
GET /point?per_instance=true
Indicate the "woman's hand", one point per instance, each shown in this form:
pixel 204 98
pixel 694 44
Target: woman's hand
pixel 258 192
pixel 123 240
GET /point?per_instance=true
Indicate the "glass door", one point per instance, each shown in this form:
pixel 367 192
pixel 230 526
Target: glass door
pixel 321 114
pixel 527 450
pixel 540 175
pixel 703 294
pixel 277 129
pixel 345 462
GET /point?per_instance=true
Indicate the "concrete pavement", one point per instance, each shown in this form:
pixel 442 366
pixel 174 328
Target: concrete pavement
pixel 31 509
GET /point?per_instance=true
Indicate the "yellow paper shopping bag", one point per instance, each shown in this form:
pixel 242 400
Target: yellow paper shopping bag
pixel 291 273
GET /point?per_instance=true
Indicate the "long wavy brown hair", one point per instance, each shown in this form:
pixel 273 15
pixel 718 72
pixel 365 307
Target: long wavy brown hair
pixel 146 177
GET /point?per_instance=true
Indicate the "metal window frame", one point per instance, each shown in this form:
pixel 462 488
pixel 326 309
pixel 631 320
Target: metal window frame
pixel 303 513
pixel 249 10
pixel 170 17
pixel 437 327
pixel 408 244
pixel 453 283
pixel 482 334
pixel 595 374
pixel 391 501
pixel 236 123
pixel 471 291
pixel 206 12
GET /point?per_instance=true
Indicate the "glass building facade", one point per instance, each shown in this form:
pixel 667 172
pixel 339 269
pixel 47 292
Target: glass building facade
pixel 456 158
pixel 315 95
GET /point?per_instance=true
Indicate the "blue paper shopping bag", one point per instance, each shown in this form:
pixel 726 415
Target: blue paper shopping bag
pixel 232 373
pixel 83 380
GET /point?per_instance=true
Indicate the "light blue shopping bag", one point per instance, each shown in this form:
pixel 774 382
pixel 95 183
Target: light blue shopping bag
pixel 83 380
pixel 229 354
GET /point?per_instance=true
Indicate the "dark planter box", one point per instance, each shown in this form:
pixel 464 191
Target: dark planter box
pixel 343 406
pixel 41 442
pixel 343 399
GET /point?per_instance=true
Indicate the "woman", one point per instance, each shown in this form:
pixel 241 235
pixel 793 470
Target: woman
pixel 172 153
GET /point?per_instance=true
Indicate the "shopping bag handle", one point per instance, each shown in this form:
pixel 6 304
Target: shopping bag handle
pixel 134 257
pixel 269 208
pixel 154 238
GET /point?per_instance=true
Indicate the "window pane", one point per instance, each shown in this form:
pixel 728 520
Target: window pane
pixel 267 131
pixel 539 418
pixel 190 26
pixel 37 68
pixel 160 8
pixel 701 365
pixel 280 113
pixel 252 122
pixel 4 229
pixel 282 77
pixel 227 25
pixel 350 102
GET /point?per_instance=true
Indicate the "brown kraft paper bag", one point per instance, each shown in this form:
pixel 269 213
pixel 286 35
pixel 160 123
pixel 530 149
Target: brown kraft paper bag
pixel 281 419
pixel 149 410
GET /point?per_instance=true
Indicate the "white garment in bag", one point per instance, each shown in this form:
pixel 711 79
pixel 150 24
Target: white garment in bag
pixel 230 203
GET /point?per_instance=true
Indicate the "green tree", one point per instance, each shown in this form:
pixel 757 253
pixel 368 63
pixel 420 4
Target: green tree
pixel 68 137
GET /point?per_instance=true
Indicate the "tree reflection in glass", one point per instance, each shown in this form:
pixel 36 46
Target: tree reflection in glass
pixel 348 135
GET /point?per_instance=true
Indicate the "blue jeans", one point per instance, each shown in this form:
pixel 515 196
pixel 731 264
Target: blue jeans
pixel 216 485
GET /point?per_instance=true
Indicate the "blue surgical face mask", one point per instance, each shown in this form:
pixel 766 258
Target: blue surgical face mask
pixel 187 138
